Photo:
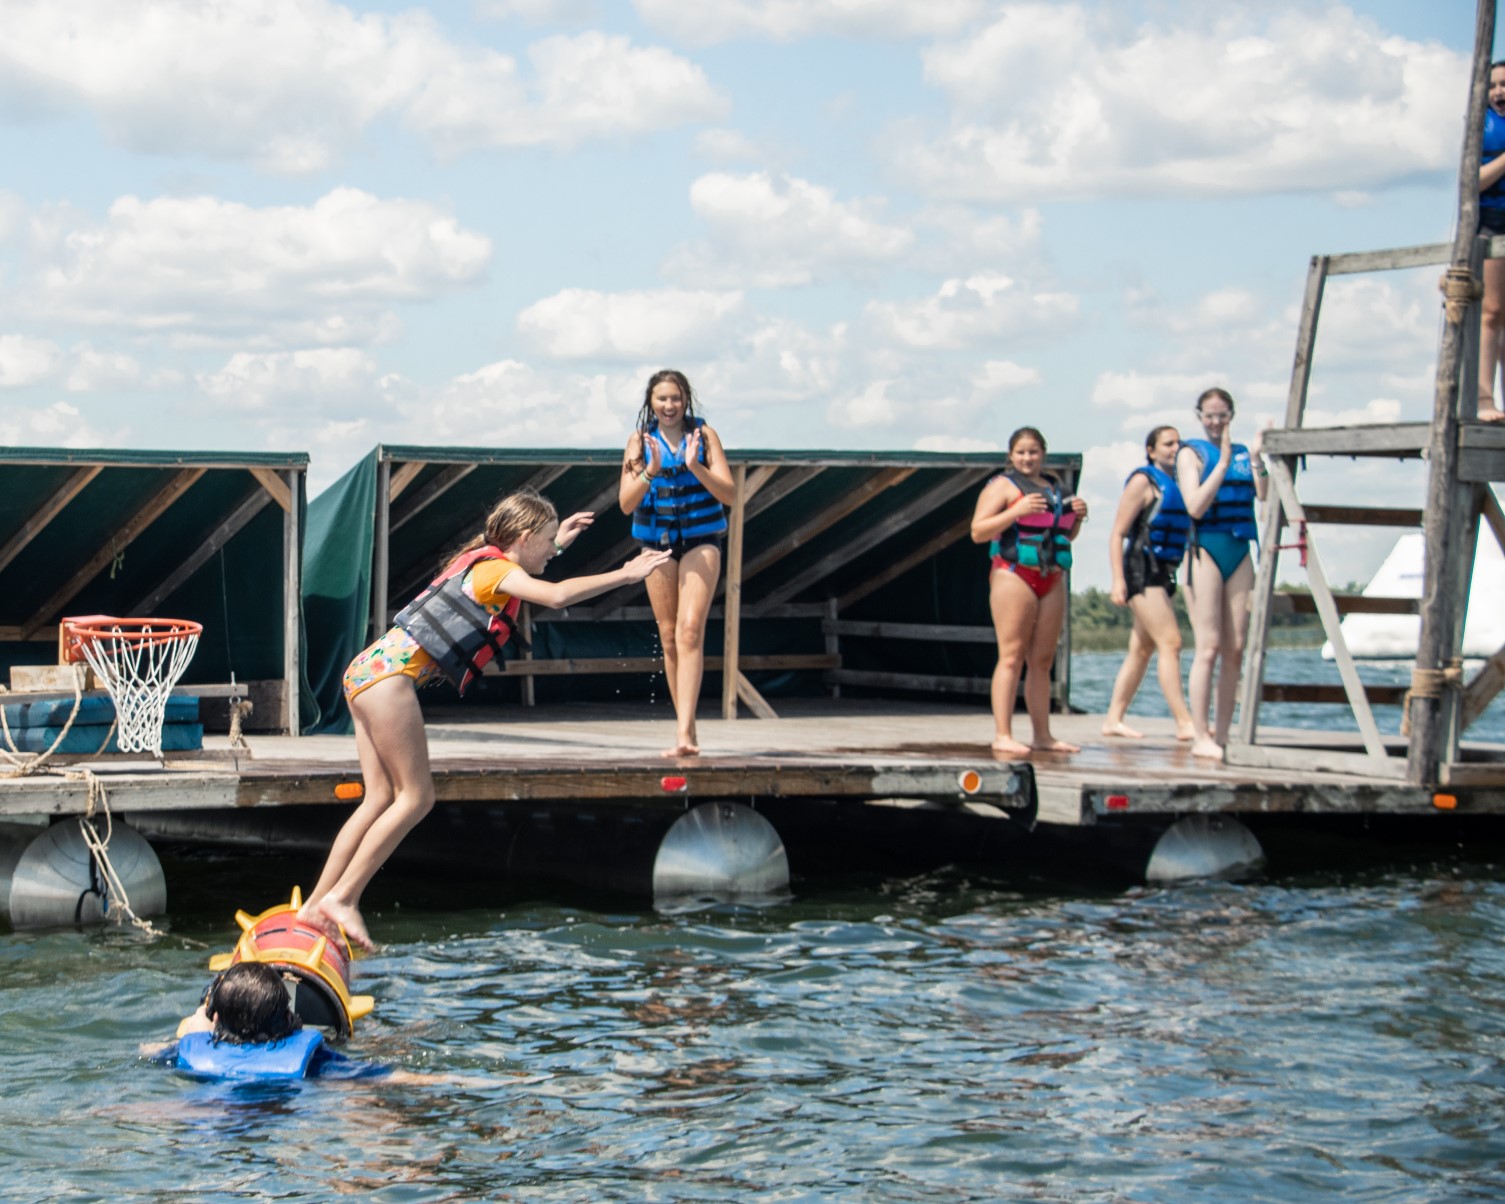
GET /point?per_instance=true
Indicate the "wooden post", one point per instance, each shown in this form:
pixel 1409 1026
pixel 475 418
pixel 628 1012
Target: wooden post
pixel 380 562
pixel 1433 647
pixel 732 606
pixel 525 621
pixel 833 638
pixel 292 604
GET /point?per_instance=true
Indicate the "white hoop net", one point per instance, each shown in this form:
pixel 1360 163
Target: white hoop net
pixel 139 661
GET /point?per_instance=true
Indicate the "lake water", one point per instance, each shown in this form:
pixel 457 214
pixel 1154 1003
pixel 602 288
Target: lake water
pixel 939 1037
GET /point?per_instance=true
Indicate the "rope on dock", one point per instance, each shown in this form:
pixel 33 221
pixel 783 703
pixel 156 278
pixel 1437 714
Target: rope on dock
pixel 117 902
pixel 1432 683
pixel 239 709
pixel 1460 289
pixel 22 764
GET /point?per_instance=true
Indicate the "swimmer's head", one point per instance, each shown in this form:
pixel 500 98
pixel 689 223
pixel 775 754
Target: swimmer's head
pixel 249 1004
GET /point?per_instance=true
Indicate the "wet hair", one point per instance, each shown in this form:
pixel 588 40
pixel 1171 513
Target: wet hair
pixel 646 420
pixel 250 1005
pixel 1154 437
pixel 1221 394
pixel 1496 64
pixel 1032 433
pixel 510 519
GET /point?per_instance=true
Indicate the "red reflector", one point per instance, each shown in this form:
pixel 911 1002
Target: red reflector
pixel 674 784
pixel 349 790
pixel 1445 802
pixel 1117 802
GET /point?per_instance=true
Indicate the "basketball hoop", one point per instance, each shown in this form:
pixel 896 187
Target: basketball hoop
pixel 139 661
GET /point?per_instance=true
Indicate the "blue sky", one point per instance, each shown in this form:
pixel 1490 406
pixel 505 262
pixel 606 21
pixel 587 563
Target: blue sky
pixel 302 225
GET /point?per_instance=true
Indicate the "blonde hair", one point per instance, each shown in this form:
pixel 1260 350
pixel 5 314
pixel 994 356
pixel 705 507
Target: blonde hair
pixel 510 519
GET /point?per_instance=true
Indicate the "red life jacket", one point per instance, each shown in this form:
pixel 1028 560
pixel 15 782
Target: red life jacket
pixel 461 634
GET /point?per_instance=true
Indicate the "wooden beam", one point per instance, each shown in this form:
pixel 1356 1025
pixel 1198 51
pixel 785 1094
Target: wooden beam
pixel 1398 439
pixel 275 486
pixel 1347 604
pixel 901 566
pixel 1485 687
pixel 755 701
pixel 910 631
pixel 1389 260
pixel 1306 692
pixel 566 666
pixel 771 493
pixel 731 640
pixel 893 524
pixel 1315 760
pixel 54 505
pixel 403 477
pixel 292 610
pixel 443 481
pixel 1492 514
pixel 252 505
pixel 925 682
pixel 759 477
pixel 823 520
pixel 1364 516
pixel 148 513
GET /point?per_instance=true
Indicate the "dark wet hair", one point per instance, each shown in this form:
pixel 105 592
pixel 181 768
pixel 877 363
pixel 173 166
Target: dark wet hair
pixel 1222 394
pixel 1154 437
pixel 1496 63
pixel 250 1005
pixel 646 420
pixel 1032 432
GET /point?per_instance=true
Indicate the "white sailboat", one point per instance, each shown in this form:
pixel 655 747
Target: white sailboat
pixel 1394 637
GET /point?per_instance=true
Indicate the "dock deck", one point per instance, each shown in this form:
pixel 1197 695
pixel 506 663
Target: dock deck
pixel 853 750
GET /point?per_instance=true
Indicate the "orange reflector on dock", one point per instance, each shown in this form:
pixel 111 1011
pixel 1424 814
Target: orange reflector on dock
pixel 674 785
pixel 349 790
pixel 1116 802
pixel 1445 802
pixel 969 780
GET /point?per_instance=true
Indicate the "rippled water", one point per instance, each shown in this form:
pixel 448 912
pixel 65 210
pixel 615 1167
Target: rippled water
pixel 939 1037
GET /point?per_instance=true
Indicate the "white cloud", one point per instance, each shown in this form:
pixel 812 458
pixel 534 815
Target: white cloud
pixel 1004 376
pixel 292 84
pixel 1147 391
pixel 56 425
pixel 956 443
pixel 1062 101
pixel 662 324
pixel 778 233
pixel 980 308
pixel 90 371
pixel 722 145
pixel 541 12
pixel 199 267
pixel 871 407
pixel 509 403
pixel 25 361
pixel 706 21
pixel 322 380
pixel 1380 410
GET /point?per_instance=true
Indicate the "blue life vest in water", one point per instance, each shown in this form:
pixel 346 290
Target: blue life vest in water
pixel 1232 509
pixel 1163 528
pixel 1493 147
pixel 1037 541
pixel 289 1058
pixel 676 507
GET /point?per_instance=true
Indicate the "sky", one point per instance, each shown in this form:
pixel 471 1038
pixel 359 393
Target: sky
pixel 300 225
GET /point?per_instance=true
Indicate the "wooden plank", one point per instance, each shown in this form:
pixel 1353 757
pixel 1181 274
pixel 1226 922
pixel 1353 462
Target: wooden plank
pixel 525 622
pixel 1480 465
pixel 1364 516
pixel 148 513
pixel 732 628
pixel 899 567
pixel 441 483
pixel 252 505
pixel 931 683
pixel 757 478
pixel 275 486
pixel 900 521
pixel 772 492
pixel 1423 256
pixel 1492 514
pixel 643 614
pixel 1399 439
pixel 292 610
pixel 1262 597
pixel 406 473
pixel 1473 773
pixel 1281 478
pixel 755 701
pixel 910 631
pixel 565 666
pixel 1485 687
pixel 1313 760
pixel 36 522
pixel 1308 692
pixel 1347 604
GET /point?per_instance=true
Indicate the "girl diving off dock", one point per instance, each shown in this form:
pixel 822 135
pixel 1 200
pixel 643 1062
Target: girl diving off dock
pixel 452 629
pixel 675 481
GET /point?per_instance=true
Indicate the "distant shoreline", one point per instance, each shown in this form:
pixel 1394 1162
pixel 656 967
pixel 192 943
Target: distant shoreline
pixel 1099 626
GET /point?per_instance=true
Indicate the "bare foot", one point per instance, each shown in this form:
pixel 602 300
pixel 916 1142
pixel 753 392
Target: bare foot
pixel 1487 413
pixel 1010 747
pixel 1059 746
pixel 338 920
pixel 1122 730
pixel 1208 748
pixel 682 750
pixel 1186 733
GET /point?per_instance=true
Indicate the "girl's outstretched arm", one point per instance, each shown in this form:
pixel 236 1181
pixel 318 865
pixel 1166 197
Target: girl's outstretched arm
pixel 558 594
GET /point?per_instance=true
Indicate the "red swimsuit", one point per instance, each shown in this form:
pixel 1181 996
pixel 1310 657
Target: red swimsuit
pixel 1041 583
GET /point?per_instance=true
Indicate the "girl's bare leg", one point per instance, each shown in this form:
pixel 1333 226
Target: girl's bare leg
pixel 1130 675
pixel 1491 338
pixel 1204 604
pixel 1041 654
pixel 1154 610
pixel 663 597
pixel 698 571
pixel 1014 606
pixel 393 723
pixel 1235 625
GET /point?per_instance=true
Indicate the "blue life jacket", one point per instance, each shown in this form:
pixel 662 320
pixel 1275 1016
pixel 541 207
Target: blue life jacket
pixel 1045 547
pixel 1493 147
pixel 1165 527
pixel 676 507
pixel 200 1054
pixel 1232 508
